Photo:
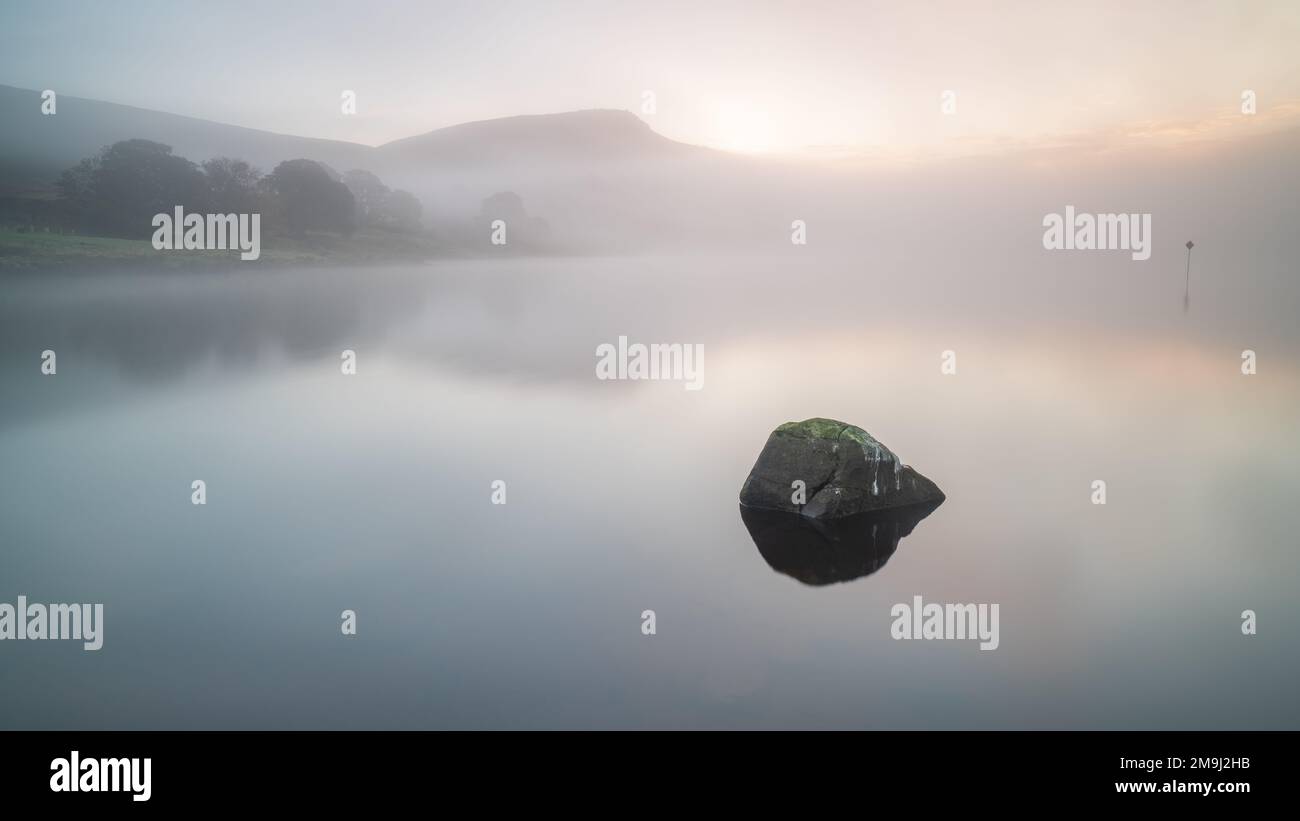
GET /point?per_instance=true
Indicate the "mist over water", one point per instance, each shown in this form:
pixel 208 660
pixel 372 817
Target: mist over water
pixel 371 492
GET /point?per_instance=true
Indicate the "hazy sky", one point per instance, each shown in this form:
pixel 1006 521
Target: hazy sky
pixel 822 77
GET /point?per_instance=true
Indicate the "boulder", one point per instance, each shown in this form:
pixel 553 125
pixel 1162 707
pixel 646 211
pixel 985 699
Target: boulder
pixel 845 471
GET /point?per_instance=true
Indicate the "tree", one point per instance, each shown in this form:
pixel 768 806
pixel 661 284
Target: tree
pixel 504 205
pixel 401 211
pixel 76 190
pixel 508 206
pixel 119 190
pixel 369 192
pixel 232 185
pixel 307 199
pixel 378 206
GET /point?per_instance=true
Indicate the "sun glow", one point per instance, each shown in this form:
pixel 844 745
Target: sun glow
pixel 743 126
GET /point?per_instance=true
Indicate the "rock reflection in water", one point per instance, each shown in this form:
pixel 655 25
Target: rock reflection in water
pixel 820 552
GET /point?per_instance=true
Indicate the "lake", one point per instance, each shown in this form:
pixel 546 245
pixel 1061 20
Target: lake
pixel 373 492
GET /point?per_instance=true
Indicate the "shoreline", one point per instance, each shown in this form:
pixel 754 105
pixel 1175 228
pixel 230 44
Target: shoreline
pixel 33 251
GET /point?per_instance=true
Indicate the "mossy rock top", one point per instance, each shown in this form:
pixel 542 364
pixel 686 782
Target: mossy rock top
pixel 821 428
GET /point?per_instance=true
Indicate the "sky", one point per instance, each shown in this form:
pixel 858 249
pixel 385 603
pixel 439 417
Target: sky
pixel 814 78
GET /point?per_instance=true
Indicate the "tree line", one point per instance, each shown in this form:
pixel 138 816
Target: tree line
pixel 118 191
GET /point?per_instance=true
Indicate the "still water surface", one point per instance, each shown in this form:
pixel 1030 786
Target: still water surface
pixel 372 493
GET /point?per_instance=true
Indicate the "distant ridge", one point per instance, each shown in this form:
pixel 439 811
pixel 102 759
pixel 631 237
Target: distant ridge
pixel 36 148
pixel 595 134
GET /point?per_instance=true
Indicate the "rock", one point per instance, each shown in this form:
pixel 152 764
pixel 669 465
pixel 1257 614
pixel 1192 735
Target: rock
pixel 844 469
pixel 823 551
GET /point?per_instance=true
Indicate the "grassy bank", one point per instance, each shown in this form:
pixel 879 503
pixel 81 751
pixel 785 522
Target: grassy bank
pixel 37 249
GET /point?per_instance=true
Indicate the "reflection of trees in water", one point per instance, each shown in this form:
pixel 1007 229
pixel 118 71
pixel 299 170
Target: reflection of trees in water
pixel 479 320
pixel 156 327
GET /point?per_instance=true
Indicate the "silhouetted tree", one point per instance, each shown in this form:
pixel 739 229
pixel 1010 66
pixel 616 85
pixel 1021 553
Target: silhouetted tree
pixel 369 192
pixel 307 199
pixel 401 211
pixel 77 192
pixel 524 231
pixel 378 206
pixel 232 185
pixel 504 205
pixel 119 190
